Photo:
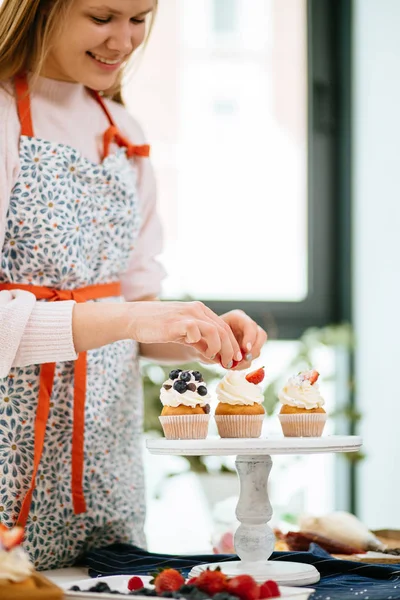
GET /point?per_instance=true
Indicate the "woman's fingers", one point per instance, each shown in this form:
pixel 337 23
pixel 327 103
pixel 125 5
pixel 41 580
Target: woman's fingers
pixel 190 323
pixel 227 335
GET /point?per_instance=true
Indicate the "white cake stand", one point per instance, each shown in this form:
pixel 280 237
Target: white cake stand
pixel 254 539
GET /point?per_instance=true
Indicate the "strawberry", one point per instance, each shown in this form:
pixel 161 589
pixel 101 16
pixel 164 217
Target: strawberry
pixel 9 538
pixel 269 589
pixel 234 363
pixel 311 376
pixel 243 586
pixel 192 581
pixel 135 583
pixel 211 582
pixel 256 376
pixel 167 580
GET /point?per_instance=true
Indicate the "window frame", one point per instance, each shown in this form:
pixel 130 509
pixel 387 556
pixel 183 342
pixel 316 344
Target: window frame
pixel 328 166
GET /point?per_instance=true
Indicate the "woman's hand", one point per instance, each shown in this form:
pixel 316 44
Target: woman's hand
pixel 250 337
pixel 192 324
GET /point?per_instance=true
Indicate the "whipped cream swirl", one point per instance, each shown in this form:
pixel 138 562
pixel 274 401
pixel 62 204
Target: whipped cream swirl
pixel 235 389
pixel 14 566
pixel 301 393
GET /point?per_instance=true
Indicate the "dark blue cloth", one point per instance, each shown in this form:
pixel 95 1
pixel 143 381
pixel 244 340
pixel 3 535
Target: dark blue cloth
pixel 340 579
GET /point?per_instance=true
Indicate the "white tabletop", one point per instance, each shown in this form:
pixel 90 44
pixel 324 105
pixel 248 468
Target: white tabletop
pixel 214 445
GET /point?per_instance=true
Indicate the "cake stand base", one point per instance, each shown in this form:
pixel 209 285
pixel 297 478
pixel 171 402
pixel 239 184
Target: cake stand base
pixel 284 573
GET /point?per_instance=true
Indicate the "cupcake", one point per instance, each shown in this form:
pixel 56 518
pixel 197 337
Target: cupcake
pixel 240 413
pixel 302 414
pixel 18 579
pixel 186 411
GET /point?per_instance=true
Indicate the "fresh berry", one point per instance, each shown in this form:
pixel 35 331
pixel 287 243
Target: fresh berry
pixel 191 387
pixel 174 374
pixel 100 588
pixel 311 376
pixel 225 596
pixel 243 586
pixel 180 386
pixel 168 580
pixel 256 376
pixel 75 588
pixel 198 376
pixel 269 589
pixel 202 390
pixel 192 581
pixel 135 583
pixel 187 588
pixel 185 376
pixel 207 409
pixel 9 538
pixel 212 582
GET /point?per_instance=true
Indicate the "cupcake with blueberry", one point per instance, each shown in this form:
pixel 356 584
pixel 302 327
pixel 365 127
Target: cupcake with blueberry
pixel 240 412
pixel 186 410
pixel 302 413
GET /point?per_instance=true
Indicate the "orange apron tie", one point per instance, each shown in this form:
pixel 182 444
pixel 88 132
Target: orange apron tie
pixel 47 372
pixel 113 135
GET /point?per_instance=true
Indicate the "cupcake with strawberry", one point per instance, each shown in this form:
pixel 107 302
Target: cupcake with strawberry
pixel 302 413
pixel 240 412
pixel 186 410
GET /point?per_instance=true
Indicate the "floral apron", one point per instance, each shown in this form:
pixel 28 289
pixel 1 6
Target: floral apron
pixel 70 433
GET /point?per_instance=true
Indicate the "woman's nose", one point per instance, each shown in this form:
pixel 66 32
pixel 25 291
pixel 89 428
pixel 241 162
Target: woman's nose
pixel 122 41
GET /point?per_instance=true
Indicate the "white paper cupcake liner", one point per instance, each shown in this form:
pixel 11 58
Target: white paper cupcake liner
pixel 303 425
pixel 239 426
pixel 185 427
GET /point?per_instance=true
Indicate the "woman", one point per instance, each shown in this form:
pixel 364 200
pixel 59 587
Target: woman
pixel 79 280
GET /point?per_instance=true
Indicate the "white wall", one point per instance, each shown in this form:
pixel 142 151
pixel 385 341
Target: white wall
pixel 376 139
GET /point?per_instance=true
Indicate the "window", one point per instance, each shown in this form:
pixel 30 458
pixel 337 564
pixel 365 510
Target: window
pixel 225 16
pixel 243 136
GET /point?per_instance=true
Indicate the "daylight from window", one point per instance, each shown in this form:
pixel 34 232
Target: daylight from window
pixel 221 91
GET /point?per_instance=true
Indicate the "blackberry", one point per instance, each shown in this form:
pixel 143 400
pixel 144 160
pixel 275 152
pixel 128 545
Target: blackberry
pixel 101 588
pixel 180 386
pixel 185 376
pixel 174 374
pixel 224 596
pixel 202 390
pixel 75 588
pixel 186 589
pixel 197 594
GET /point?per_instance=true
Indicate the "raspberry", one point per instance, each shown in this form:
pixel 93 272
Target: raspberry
pixel 135 583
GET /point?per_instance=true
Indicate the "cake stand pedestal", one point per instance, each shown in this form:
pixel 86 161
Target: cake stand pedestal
pixel 254 539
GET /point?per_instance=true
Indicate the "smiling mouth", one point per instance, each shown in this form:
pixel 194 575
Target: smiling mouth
pixel 105 61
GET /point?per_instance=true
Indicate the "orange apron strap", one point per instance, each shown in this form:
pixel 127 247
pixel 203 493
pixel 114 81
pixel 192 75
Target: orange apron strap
pixel 24 104
pixel 78 434
pixel 113 135
pixel 42 414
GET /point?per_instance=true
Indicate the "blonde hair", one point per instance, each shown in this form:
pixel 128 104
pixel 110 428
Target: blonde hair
pixel 26 30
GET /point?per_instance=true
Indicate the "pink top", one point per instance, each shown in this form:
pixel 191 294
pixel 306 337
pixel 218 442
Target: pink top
pixel 34 332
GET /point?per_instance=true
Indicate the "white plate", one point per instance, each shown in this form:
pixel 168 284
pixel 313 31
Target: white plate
pixel 214 445
pixel 120 583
